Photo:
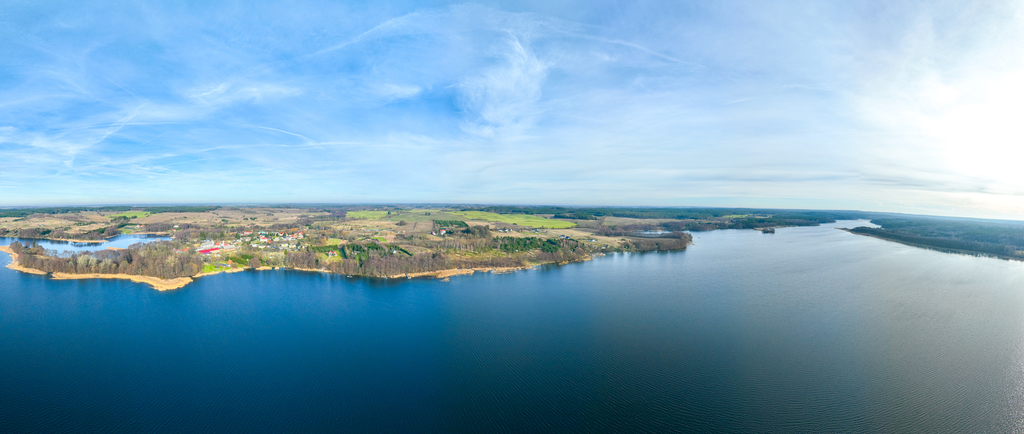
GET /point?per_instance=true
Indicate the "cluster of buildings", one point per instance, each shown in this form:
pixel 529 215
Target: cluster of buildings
pixel 209 247
pixel 263 239
pixel 260 239
pixel 507 230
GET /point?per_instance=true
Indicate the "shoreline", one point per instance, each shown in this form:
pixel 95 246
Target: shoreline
pixel 211 273
pixel 14 262
pixel 161 284
pixel 449 272
pixel 938 249
pixel 157 283
pixel 69 240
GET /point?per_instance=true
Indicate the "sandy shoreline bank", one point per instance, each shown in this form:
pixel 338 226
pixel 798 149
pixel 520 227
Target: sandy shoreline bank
pixel 65 239
pixel 14 262
pixel 232 270
pixel 169 284
pixel 444 274
pixel 156 282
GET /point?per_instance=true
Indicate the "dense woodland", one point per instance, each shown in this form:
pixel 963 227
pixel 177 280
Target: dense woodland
pixel 590 213
pixel 1003 238
pixel 157 259
pixel 26 212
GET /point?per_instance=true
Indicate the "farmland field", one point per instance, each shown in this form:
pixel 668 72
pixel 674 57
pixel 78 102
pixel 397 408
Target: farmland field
pixel 131 214
pixel 517 219
pixel 369 215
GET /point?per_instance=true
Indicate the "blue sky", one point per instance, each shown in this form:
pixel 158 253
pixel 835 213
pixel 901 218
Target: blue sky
pixel 888 105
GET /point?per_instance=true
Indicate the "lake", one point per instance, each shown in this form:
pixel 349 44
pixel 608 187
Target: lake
pixel 809 329
pixel 118 241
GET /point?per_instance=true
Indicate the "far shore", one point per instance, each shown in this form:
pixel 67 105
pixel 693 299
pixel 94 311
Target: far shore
pixel 70 240
pixel 938 249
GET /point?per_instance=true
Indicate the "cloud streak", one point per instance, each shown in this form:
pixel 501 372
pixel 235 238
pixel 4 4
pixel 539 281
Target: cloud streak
pixel 900 107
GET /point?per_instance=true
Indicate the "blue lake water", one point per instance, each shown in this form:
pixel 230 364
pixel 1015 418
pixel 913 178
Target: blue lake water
pixel 119 241
pixel 809 329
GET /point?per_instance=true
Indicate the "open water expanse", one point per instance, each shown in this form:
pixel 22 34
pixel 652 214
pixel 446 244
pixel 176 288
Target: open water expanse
pixel 809 329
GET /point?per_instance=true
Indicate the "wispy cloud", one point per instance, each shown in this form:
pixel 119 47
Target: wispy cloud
pixel 896 106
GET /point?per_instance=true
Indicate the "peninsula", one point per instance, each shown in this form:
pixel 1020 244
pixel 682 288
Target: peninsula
pixel 375 241
pixel 384 242
pixel 397 241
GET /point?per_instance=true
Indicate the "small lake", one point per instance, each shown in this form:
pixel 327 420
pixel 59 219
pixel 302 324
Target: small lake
pixel 810 329
pixel 119 241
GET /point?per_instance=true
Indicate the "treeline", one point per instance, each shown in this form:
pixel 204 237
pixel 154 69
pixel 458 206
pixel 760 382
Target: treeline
pixel 95 234
pixel 25 212
pixel 162 209
pixel 156 259
pixel 658 244
pixel 575 216
pixel 523 244
pixel 60 233
pixel 450 224
pixel 675 229
pixel 983 236
pixel 372 264
pixel 940 243
pixel 587 213
pixel 1010 234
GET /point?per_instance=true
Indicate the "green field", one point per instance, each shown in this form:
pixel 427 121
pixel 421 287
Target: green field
pixel 517 219
pixel 410 216
pixel 131 214
pixel 333 242
pixel 209 268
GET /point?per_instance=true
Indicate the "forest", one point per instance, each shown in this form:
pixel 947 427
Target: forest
pixel 807 217
pixel 25 212
pixel 1003 238
pixel 158 259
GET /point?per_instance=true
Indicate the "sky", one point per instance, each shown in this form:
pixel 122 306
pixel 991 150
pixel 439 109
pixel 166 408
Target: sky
pixel 873 105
